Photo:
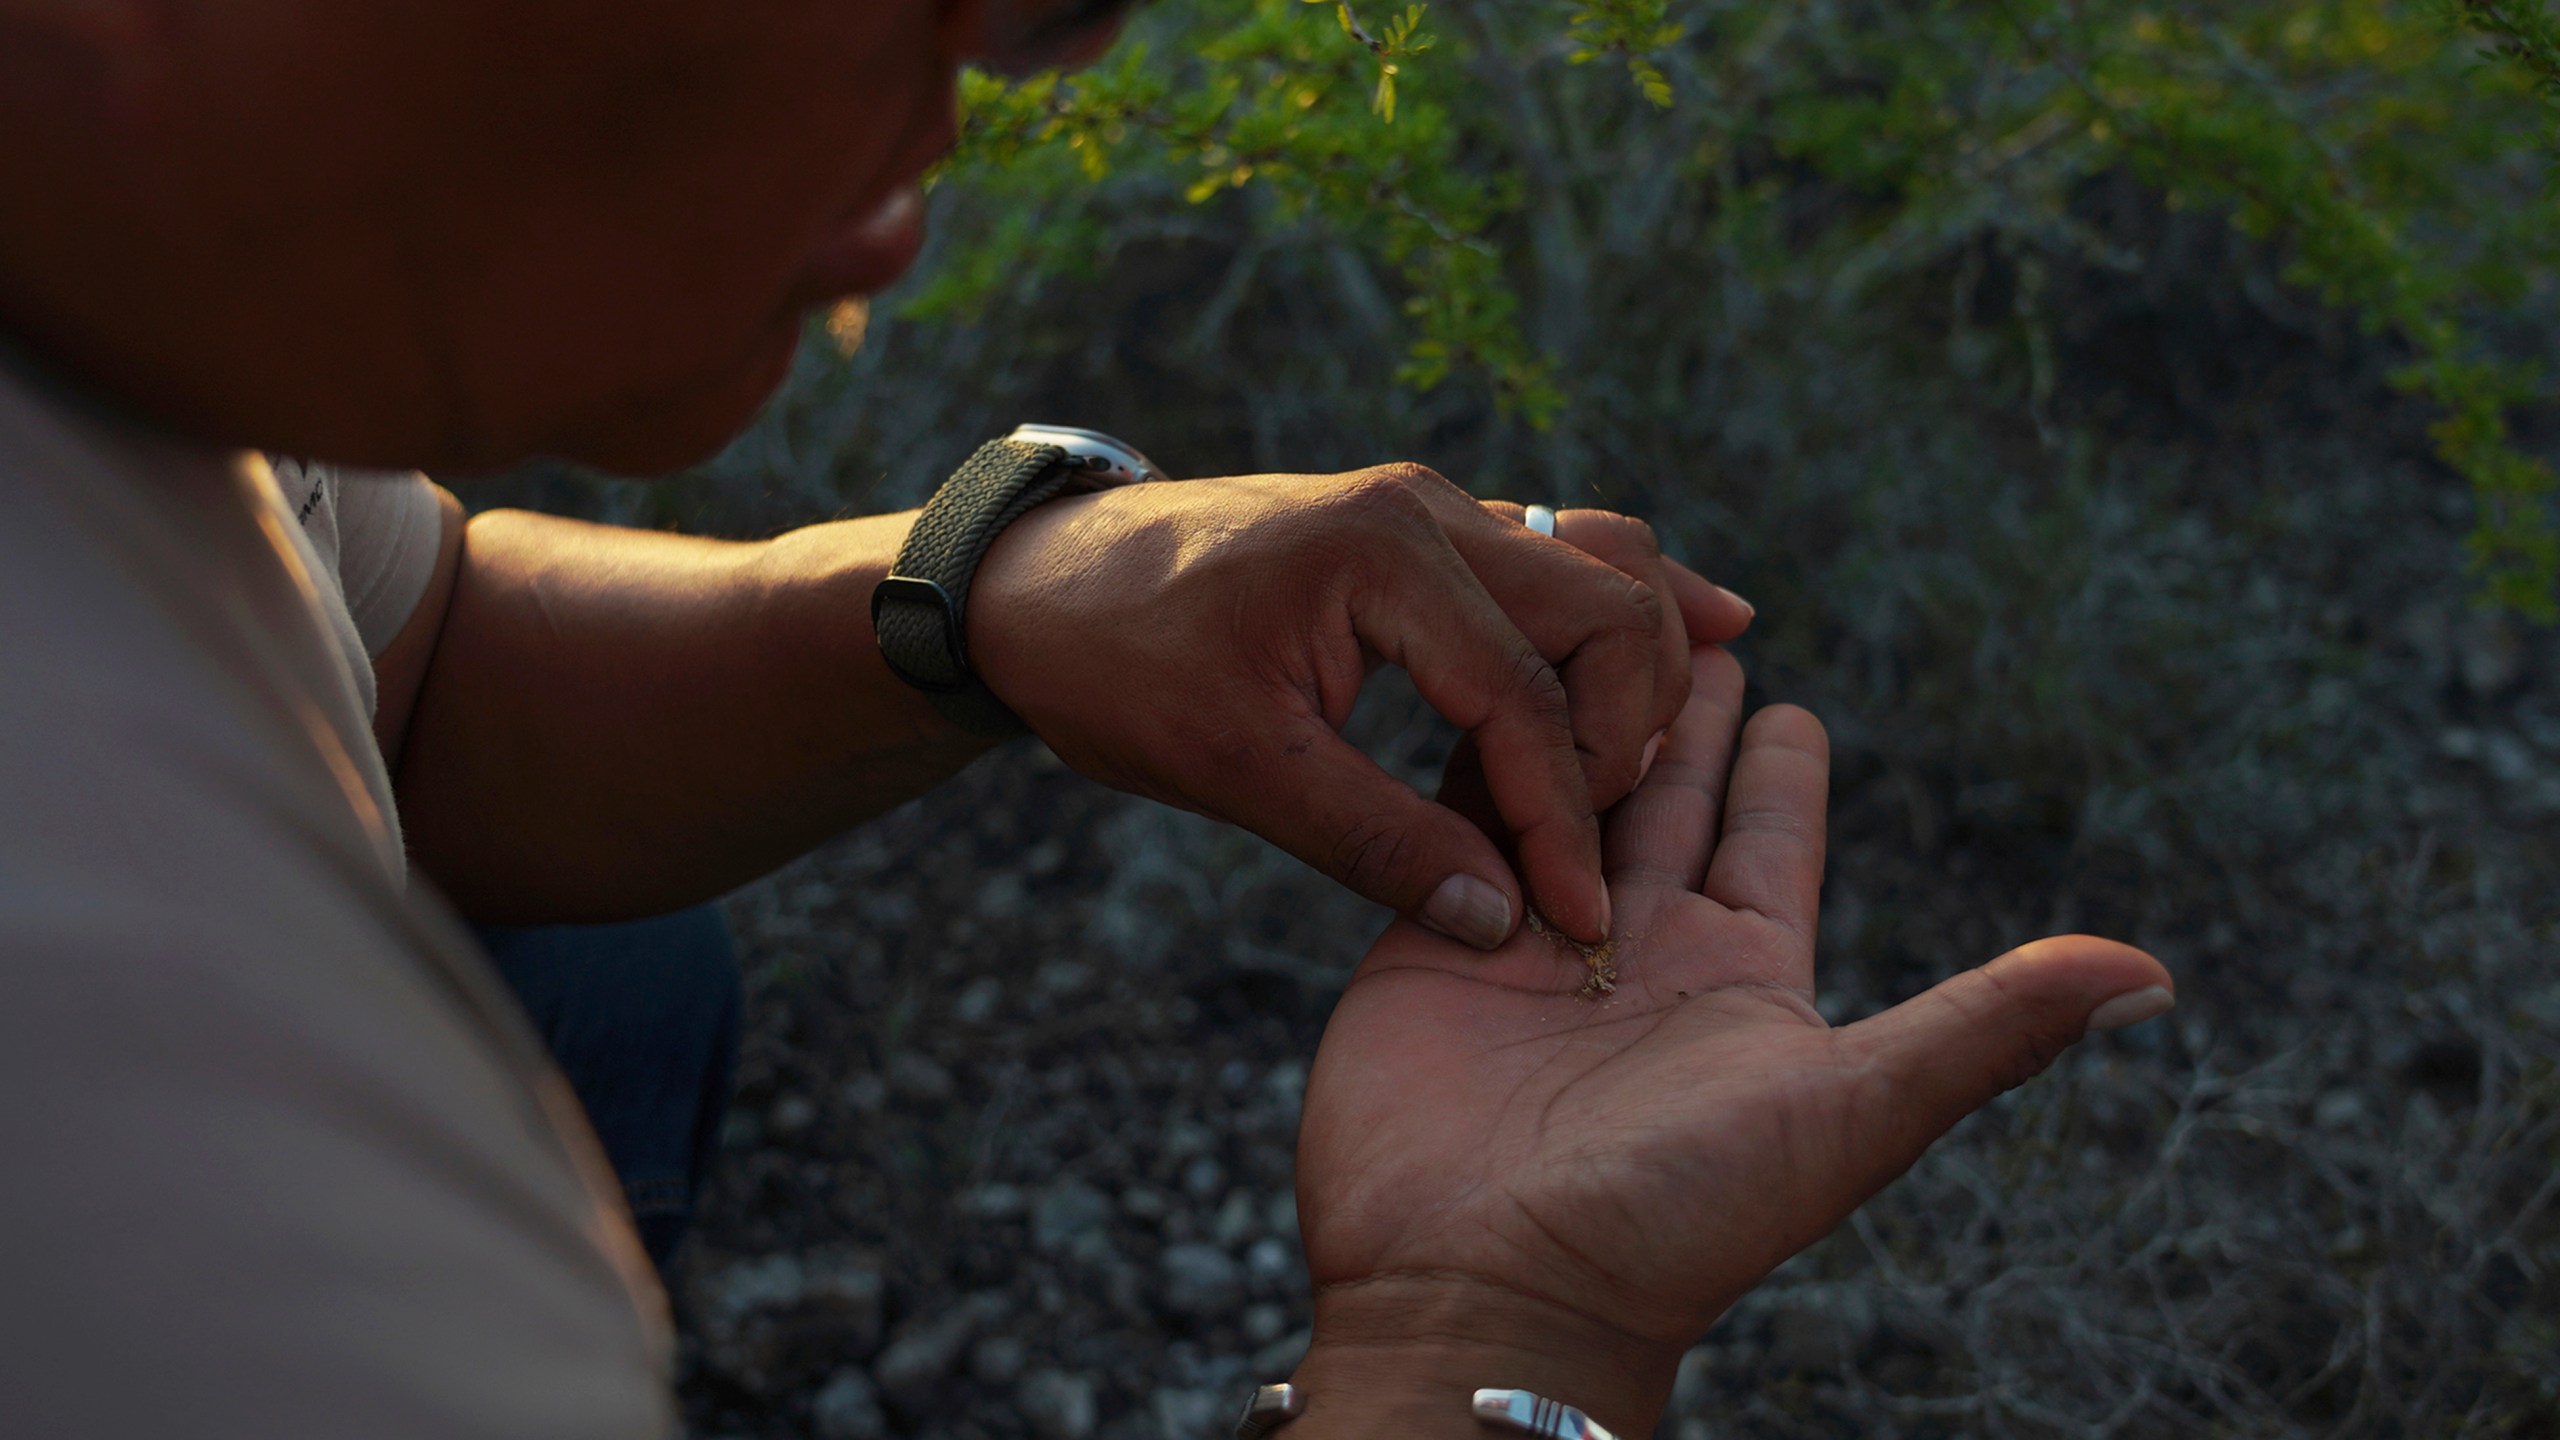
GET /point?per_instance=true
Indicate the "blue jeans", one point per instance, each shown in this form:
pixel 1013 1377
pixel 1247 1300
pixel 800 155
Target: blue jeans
pixel 644 1019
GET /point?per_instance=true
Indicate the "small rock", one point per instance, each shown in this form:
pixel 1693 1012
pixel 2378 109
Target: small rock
pixel 917 1077
pixel 1234 1076
pixel 1068 1212
pixel 1281 1358
pixel 791 1114
pixel 977 1004
pixel 843 1291
pixel 1095 1248
pixel 2489 655
pixel 1186 1138
pixel 1044 858
pixel 768 1282
pixel 1139 1202
pixel 1201 1280
pixel 888 907
pixel 1062 978
pixel 1002 895
pixel 1188 1414
pixel 992 1202
pixel 1287 1083
pixel 923 1354
pixel 2509 760
pixel 997 1361
pixel 866 1094
pixel 1263 1322
pixel 1694 1387
pixel 1237 1220
pixel 1280 1216
pixel 1204 1177
pixel 1057 1405
pixel 1271 1261
pixel 848 1408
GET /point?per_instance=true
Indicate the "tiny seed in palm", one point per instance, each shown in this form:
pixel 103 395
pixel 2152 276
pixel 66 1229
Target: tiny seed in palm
pixel 1599 958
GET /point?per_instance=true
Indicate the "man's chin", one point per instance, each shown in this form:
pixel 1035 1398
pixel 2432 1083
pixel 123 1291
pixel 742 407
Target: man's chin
pixel 656 434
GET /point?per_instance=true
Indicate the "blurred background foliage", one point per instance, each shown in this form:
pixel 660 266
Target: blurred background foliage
pixel 2119 413
pixel 1490 162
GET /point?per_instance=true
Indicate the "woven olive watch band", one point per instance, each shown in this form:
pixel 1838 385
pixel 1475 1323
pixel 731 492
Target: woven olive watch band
pixel 920 613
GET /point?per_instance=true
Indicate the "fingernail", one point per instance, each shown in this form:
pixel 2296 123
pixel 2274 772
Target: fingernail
pixel 1747 607
pixel 1608 918
pixel 2132 1008
pixel 1467 909
pixel 1652 748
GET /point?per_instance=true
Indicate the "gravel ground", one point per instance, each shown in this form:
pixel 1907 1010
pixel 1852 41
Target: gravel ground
pixel 1039 1182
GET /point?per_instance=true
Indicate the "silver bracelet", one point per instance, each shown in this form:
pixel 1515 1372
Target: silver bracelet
pixel 1538 1415
pixel 1273 1406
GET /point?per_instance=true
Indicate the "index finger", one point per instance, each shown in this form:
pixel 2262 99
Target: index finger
pixel 1483 676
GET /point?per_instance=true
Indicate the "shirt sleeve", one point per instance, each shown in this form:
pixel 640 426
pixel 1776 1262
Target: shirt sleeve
pixel 390 531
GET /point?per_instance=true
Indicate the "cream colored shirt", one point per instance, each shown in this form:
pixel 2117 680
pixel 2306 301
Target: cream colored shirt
pixel 279 1156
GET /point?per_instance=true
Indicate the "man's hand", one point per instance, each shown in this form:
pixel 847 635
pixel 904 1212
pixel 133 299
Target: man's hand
pixel 1202 643
pixel 1502 1184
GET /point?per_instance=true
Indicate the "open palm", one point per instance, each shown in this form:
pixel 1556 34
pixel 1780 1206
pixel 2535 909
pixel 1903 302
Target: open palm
pixel 1481 1139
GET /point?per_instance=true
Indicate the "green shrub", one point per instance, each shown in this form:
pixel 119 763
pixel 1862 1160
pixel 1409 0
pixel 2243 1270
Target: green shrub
pixel 2395 153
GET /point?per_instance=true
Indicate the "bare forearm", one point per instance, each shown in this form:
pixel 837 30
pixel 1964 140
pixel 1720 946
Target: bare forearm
pixel 618 723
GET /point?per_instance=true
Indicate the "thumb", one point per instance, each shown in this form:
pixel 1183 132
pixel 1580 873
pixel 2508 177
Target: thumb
pixel 1948 1051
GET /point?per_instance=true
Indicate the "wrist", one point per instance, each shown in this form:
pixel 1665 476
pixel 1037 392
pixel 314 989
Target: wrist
pixel 1025 582
pixel 1404 1356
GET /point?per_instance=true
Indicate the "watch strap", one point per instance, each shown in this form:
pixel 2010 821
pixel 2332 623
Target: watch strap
pixel 920 612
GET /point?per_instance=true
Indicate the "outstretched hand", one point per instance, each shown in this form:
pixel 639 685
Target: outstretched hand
pixel 1504 1184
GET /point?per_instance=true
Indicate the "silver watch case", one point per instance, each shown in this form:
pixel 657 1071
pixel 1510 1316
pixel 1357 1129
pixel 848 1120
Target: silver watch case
pixel 1100 462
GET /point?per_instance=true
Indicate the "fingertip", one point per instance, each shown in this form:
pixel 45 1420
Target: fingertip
pixel 2132 1008
pixel 1708 610
pixel 2110 984
pixel 2092 963
pixel 1578 908
pixel 1791 727
pixel 1712 667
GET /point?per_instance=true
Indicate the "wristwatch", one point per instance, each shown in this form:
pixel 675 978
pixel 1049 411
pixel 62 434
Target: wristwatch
pixel 920 612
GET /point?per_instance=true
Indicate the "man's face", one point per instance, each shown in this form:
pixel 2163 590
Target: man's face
pixel 622 211
pixel 465 232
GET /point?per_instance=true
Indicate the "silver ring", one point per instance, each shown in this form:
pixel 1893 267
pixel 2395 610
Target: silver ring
pixel 1541 520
